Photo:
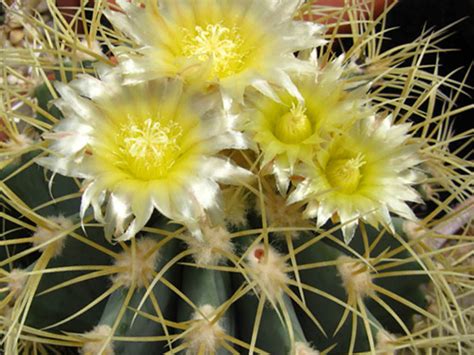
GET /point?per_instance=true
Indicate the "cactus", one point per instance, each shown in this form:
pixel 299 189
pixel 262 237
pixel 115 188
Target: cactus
pixel 226 177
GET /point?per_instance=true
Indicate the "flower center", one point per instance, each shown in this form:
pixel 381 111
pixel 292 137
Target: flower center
pixel 218 43
pixel 293 126
pixel 345 174
pixel 148 148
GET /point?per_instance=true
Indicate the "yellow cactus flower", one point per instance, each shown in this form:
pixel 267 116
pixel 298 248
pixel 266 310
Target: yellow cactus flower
pixel 364 173
pixel 143 147
pixel 234 44
pixel 289 131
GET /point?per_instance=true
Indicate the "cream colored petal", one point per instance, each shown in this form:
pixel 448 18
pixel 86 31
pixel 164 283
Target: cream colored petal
pixel 206 192
pixel 223 171
pixel 232 91
pixel 286 8
pixel 185 207
pixel 349 222
pixel 305 34
pixel 217 122
pixel 70 137
pixel 264 87
pixel 231 140
pixel 130 22
pixel 311 210
pixel 91 87
pixel 385 218
pixel 302 191
pixel 63 166
pixel 116 215
pixel 323 215
pixel 93 194
pixel 161 198
pixel 401 209
pixel 283 79
pixel 142 208
pixel 150 66
pixel 282 172
pixel 83 107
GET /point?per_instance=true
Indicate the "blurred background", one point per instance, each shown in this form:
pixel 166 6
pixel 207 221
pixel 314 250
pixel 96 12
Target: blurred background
pixel 411 16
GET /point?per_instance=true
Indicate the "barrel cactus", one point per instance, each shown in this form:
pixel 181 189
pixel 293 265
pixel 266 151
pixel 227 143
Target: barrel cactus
pixel 229 177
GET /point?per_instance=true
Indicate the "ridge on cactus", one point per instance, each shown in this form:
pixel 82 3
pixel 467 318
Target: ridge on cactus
pixel 230 177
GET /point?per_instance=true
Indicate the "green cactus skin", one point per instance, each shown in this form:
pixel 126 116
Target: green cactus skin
pixel 134 323
pixel 204 286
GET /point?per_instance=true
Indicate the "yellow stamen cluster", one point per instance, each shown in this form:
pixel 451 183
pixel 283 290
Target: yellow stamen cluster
pixel 148 148
pixel 344 174
pixel 294 126
pixel 218 43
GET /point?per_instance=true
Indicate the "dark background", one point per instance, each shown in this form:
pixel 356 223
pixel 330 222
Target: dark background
pixel 411 16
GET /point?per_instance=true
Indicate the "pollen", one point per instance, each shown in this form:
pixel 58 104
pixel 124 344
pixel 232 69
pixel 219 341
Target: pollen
pixel 345 174
pixel 294 126
pixel 222 45
pixel 148 148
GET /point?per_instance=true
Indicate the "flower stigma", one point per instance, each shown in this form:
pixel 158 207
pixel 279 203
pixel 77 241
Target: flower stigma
pixel 223 45
pixel 294 126
pixel 345 174
pixel 148 148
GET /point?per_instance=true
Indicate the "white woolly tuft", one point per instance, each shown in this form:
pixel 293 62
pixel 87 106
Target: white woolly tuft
pixel 96 339
pixel 413 230
pixel 236 206
pixel 16 280
pixel 138 268
pixel 44 235
pixel 385 343
pixel 356 279
pixel 304 349
pixel 280 214
pixel 205 333
pixel 267 267
pixel 211 248
pixel 15 283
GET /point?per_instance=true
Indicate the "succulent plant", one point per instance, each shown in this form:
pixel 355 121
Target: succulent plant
pixel 227 177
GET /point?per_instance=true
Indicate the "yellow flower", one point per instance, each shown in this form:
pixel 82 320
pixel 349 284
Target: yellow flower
pixel 232 43
pixel 364 173
pixel 289 131
pixel 143 147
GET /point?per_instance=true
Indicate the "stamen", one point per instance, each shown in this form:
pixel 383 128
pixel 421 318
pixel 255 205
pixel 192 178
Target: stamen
pixel 294 126
pixel 223 45
pixel 148 148
pixel 344 174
